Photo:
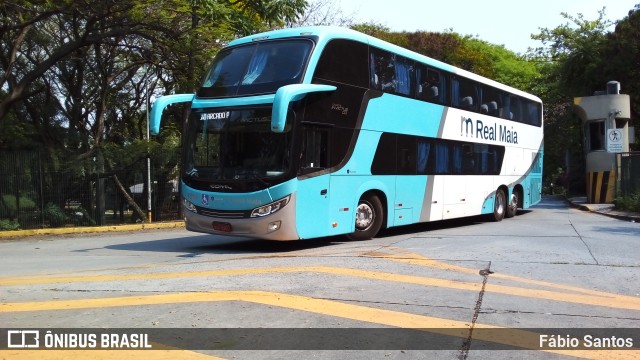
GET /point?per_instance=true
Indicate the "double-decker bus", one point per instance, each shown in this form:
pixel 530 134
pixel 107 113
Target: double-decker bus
pixel 318 131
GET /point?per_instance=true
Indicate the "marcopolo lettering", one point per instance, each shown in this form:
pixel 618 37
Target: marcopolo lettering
pixel 479 130
pixel 215 116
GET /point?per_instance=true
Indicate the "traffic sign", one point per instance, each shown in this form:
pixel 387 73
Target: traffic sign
pixel 614 141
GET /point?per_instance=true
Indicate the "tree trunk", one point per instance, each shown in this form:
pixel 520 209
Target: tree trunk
pixel 129 199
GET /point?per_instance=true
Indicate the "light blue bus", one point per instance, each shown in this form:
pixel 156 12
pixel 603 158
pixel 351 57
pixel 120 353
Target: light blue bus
pixel 319 131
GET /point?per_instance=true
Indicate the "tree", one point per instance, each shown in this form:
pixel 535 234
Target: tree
pixel 324 12
pixel 75 75
pixel 573 63
pixel 622 59
pixel 577 47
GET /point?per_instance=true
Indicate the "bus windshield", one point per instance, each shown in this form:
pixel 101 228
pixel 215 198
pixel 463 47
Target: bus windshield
pixel 235 145
pixel 256 68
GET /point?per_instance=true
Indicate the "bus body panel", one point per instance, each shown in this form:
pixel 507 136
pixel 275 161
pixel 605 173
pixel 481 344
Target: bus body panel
pixel 235 203
pixel 347 191
pixel 324 203
pixel 409 199
pixel 312 211
pixel 238 201
pixel 397 114
pixel 258 227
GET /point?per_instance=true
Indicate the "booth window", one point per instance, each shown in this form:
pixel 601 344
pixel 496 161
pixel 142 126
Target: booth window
pixel 596 135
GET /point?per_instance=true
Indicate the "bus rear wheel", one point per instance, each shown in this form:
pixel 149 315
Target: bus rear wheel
pixel 499 205
pixel 512 207
pixel 369 218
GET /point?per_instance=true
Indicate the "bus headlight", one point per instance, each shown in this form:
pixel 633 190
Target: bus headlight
pixel 189 206
pixel 270 208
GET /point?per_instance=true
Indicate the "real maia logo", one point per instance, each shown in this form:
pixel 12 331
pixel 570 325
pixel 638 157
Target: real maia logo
pixel 477 129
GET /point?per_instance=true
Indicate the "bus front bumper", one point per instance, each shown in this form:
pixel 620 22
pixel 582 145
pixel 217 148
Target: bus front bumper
pixel 280 225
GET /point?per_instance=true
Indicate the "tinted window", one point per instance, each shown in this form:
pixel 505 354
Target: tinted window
pixel 534 111
pixel 344 61
pixel 515 109
pixel 391 73
pixel 430 85
pixel 492 101
pixel 464 94
pixel 407 155
pixel 256 68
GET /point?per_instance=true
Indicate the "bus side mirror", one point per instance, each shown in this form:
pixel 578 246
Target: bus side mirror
pixel 158 108
pixel 285 95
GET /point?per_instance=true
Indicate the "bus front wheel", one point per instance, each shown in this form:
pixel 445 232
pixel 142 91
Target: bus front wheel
pixel 499 205
pixel 369 217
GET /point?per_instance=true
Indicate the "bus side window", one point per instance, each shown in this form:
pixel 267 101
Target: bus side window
pixel 406 153
pixel 491 101
pixel 430 85
pixel 465 94
pixel 533 113
pixel 516 113
pixel 423 150
pixel 441 160
pixel 384 71
pixel 344 61
pixel 404 76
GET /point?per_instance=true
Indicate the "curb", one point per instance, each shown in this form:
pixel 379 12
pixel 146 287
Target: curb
pixel 91 229
pixel 620 215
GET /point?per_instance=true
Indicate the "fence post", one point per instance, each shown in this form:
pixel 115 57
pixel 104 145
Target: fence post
pixel 17 187
pixel 41 189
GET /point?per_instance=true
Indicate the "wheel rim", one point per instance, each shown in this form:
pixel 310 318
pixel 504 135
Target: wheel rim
pixel 364 216
pixel 514 202
pixel 500 203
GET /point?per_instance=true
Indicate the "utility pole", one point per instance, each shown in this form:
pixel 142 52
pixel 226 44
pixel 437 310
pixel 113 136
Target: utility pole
pixel 148 156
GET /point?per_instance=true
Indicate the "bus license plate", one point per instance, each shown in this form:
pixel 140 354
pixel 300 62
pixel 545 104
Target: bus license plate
pixel 221 226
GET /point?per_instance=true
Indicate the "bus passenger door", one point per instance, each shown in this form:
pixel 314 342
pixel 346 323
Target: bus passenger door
pixel 312 213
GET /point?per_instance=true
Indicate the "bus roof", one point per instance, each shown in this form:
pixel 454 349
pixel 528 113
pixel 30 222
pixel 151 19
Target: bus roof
pixel 326 33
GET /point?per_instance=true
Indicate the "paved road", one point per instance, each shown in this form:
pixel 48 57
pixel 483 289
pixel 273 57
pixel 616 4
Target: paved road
pixel 468 285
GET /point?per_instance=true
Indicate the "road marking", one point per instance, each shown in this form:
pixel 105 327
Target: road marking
pixel 512 337
pixel 407 257
pixel 565 294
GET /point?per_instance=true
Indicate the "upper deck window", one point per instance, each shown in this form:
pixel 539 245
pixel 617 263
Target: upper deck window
pixel 256 68
pixel 344 61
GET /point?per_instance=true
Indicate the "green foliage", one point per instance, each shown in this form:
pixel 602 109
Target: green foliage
pixel 577 49
pixel 576 59
pixel 55 215
pixel 11 205
pixel 498 63
pixel 373 29
pixel 467 52
pixel 622 56
pixel 84 217
pixel 440 46
pixel 628 203
pixel 6 224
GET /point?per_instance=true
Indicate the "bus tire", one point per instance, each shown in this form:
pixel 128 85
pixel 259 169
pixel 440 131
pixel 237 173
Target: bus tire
pixel 512 207
pixel 369 218
pixel 499 205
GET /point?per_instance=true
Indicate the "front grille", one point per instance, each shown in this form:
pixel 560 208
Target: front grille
pixel 224 214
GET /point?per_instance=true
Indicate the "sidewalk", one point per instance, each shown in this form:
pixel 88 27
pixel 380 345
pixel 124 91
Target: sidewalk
pixel 90 229
pixel 580 202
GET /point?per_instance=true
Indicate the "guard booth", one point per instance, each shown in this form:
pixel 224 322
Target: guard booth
pixel 605 122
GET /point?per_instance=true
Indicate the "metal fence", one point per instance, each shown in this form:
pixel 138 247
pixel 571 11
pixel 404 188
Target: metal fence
pixel 33 197
pixel 629 173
